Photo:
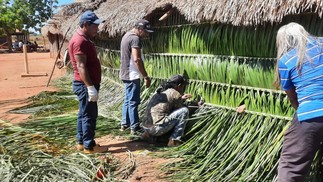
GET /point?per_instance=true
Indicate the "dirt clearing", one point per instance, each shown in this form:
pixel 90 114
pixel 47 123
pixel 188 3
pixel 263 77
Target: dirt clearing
pixel 15 91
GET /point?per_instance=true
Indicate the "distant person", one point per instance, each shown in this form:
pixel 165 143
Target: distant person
pixel 300 73
pixel 87 78
pixel 16 45
pixel 131 69
pixel 166 111
pixel 20 44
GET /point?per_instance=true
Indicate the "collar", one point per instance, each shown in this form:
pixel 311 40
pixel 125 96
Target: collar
pixel 81 33
pixel 133 32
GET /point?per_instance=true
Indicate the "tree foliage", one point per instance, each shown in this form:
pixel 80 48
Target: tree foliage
pixel 23 14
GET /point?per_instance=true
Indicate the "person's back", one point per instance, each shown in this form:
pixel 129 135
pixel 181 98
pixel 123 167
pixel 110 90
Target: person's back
pixel 20 44
pixel 165 111
pixel 161 105
pixel 308 81
pixel 300 68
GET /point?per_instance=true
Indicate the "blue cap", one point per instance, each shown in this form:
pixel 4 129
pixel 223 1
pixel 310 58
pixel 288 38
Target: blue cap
pixel 89 16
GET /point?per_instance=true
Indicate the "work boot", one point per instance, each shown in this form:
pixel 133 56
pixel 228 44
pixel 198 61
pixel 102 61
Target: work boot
pixel 174 143
pixel 136 131
pixel 123 128
pixel 147 137
pixel 96 149
pixel 79 147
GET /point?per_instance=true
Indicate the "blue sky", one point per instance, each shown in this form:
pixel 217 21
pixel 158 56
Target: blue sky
pixel 62 2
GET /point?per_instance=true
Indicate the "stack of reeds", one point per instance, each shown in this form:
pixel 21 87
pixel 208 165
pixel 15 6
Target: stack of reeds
pixel 28 155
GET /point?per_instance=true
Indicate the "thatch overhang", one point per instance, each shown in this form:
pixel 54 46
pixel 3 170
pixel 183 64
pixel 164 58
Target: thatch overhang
pixel 67 13
pixel 120 15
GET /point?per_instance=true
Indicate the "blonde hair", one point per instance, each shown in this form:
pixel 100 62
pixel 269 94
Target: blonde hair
pixel 291 36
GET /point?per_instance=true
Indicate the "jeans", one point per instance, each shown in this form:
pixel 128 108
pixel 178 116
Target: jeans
pixel 301 142
pixel 176 120
pixel 130 116
pixel 88 112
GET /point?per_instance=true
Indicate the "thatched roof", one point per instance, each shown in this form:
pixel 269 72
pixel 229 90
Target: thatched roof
pixel 120 15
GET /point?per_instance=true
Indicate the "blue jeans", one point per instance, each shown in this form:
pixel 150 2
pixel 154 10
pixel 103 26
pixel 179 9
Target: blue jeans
pixel 88 112
pixel 130 116
pixel 176 120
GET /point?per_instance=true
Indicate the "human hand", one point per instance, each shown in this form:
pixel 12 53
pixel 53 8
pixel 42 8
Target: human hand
pixel 147 82
pixel 186 96
pixel 241 109
pixel 93 94
pixel 200 103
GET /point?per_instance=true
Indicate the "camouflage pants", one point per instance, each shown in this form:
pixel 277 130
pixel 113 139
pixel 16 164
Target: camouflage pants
pixel 176 120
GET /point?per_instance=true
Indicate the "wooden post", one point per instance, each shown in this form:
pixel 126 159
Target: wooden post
pixel 27 74
pixel 24 48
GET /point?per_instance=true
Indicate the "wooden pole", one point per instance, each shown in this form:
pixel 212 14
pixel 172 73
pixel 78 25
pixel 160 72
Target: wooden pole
pixel 59 51
pixel 24 48
pixel 27 74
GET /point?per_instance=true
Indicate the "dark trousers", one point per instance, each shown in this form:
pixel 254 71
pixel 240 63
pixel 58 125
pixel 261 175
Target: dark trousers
pixel 301 142
pixel 88 112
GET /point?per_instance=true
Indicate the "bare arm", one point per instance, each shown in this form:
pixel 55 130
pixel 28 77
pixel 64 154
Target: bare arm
pixel 292 96
pixel 186 96
pixel 140 64
pixel 81 66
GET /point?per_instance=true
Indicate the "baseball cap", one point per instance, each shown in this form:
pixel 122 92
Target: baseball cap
pixel 178 79
pixel 145 25
pixel 89 16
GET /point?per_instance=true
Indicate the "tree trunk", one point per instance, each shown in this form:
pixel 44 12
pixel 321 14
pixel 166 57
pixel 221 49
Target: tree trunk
pixel 9 42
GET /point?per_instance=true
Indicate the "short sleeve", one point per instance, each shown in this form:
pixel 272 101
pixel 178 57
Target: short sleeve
pixel 135 42
pixel 79 47
pixel 285 77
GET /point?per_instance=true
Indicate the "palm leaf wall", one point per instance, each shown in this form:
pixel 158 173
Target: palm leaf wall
pixel 227 66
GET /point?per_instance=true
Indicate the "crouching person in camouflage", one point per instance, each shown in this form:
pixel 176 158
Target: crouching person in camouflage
pixel 165 111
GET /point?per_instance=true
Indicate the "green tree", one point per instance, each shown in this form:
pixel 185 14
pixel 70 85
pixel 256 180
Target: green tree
pixel 24 14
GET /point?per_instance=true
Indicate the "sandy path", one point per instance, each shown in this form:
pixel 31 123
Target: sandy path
pixel 14 89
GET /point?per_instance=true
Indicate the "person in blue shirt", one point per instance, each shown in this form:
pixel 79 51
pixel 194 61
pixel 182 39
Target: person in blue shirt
pixel 299 71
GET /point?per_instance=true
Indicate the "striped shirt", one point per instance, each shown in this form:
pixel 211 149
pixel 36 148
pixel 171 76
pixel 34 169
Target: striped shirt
pixel 309 83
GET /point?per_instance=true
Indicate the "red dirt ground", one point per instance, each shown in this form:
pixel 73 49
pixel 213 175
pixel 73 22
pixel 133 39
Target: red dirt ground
pixel 14 91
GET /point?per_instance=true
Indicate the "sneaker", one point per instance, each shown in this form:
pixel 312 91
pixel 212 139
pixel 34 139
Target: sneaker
pixel 79 147
pixel 96 149
pixel 123 128
pixel 174 143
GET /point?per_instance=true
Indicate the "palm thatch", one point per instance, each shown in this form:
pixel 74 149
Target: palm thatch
pixel 121 15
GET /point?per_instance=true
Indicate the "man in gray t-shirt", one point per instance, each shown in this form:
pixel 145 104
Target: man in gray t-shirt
pixel 131 70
